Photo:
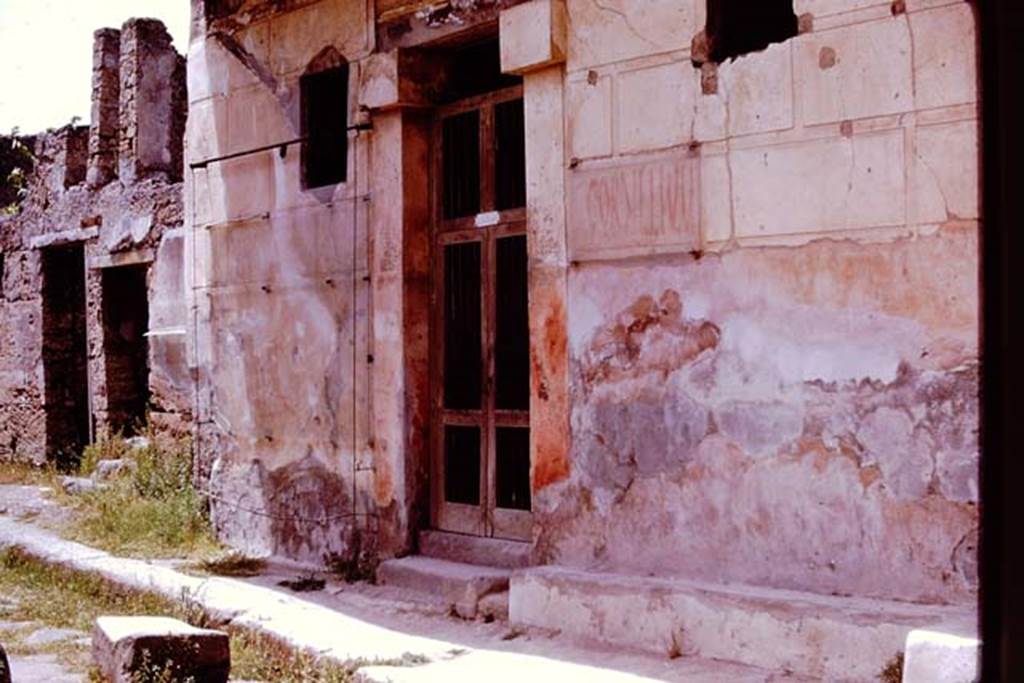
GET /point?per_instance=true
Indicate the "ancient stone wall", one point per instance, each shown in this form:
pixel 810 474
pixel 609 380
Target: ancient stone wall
pixel 77 214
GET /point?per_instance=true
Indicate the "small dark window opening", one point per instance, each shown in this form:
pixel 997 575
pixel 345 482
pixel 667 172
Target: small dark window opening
pixel 324 127
pixel 460 139
pixel 736 27
pixel 509 155
pixel 474 70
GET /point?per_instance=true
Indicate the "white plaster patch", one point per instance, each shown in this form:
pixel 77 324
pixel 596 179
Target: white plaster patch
pixel 797 350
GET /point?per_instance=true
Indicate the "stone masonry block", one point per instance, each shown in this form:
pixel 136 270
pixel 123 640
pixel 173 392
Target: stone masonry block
pixel 654 107
pixel 125 647
pixel 759 90
pixel 589 117
pixel 944 173
pixel 399 78
pixel 825 7
pixel 819 186
pixel 854 71
pixel 944 56
pixel 618 30
pixel 533 36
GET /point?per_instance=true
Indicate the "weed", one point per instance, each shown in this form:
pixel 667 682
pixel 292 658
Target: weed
pixel 304 584
pixel 233 564
pixel 893 671
pixel 675 646
pixel 358 564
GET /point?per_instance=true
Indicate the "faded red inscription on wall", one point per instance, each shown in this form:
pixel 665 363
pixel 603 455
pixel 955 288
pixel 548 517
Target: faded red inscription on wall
pixel 646 205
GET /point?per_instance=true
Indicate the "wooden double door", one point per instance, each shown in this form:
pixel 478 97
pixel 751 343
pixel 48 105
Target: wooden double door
pixel 480 480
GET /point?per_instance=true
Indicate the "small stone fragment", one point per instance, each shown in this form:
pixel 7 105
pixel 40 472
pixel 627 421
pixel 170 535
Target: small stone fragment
pixel 110 469
pixel 125 648
pixel 78 485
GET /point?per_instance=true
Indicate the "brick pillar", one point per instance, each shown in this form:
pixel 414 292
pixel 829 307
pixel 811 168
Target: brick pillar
pixel 153 102
pixel 106 94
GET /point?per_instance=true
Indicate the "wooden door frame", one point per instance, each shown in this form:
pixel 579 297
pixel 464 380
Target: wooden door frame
pixel 486 519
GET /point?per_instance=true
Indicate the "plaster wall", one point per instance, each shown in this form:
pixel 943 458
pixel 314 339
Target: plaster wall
pixel 782 391
pixel 278 286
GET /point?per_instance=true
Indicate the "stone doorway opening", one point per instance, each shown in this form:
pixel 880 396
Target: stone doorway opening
pixel 65 354
pixel 126 347
pixel 481 374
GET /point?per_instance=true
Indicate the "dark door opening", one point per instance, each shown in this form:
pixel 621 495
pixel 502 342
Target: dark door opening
pixel 65 371
pixel 125 347
pixel 481 476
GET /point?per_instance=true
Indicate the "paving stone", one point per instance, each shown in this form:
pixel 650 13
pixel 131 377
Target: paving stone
pixel 48 636
pixel 41 669
pixel 124 646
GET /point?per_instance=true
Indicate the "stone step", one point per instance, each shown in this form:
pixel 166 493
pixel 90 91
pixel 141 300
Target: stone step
pixel 835 638
pixel 461 586
pixel 478 550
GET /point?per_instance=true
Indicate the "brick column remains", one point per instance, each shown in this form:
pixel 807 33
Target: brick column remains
pixel 153 102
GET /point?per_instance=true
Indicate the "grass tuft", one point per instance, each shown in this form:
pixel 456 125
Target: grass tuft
pixel 151 510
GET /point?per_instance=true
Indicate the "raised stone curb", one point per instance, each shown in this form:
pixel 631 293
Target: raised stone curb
pixel 296 623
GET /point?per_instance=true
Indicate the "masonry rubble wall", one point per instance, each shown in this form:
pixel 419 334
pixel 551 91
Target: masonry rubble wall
pixel 74 198
pixel 753 290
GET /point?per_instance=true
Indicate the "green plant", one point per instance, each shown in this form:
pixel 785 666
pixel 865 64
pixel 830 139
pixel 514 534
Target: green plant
pixel 152 509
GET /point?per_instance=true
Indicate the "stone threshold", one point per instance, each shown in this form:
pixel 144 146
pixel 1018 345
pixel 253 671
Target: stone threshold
pixel 416 647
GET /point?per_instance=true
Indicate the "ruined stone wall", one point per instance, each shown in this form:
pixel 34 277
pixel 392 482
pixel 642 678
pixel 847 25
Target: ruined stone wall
pixel 117 222
pixel 772 302
pixel 279 286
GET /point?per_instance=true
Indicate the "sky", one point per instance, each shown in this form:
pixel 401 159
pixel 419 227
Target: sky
pixel 46 54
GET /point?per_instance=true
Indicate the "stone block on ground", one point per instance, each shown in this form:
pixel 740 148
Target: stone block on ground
pixel 110 469
pixel 938 656
pixel 459 585
pixel 5 668
pixel 125 646
pixel 78 485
